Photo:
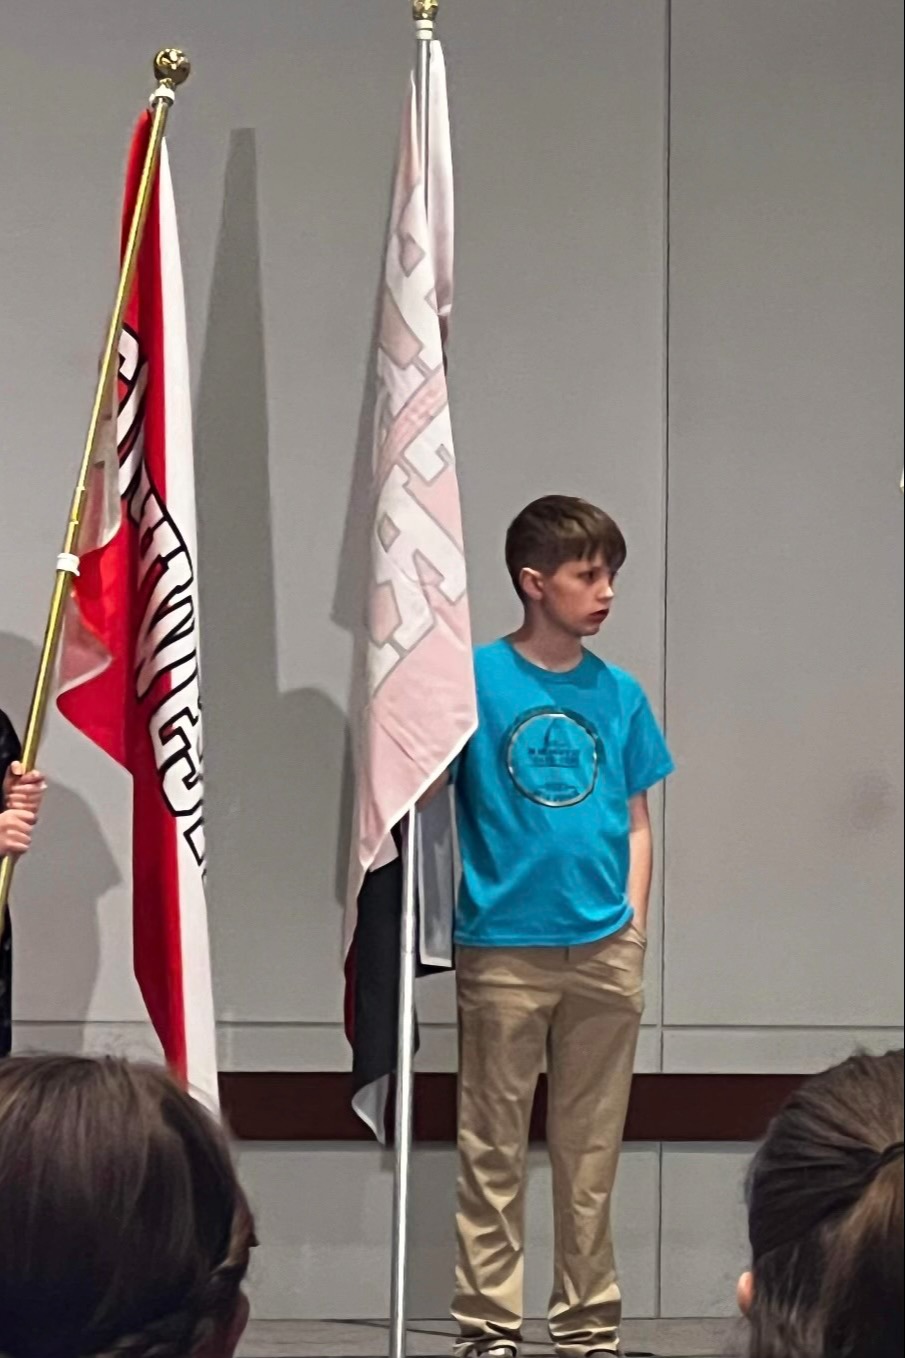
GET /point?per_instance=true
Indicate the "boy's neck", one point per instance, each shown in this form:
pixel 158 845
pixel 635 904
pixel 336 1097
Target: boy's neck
pixel 546 646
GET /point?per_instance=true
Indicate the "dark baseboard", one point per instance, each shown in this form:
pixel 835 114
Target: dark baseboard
pixel 315 1106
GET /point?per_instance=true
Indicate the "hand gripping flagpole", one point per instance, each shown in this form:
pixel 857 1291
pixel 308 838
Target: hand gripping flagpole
pixel 423 13
pixel 171 68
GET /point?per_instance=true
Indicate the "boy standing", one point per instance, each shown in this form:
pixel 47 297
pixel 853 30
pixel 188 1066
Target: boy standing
pixel 550 930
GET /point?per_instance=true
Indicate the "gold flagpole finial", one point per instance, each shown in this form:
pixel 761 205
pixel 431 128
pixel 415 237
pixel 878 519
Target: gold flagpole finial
pixel 172 67
pixel 424 14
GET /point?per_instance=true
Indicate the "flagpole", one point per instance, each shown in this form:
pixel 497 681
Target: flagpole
pixel 171 69
pixel 405 1056
pixel 423 13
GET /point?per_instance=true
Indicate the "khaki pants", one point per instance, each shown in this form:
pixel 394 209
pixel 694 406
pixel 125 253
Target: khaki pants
pixel 580 1008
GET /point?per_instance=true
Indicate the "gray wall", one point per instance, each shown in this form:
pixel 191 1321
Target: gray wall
pixel 679 293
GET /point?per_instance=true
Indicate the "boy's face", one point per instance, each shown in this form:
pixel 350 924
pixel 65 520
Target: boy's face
pixel 576 597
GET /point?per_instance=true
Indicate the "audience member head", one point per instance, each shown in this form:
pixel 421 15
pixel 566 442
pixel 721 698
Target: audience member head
pixel 825 1219
pixel 123 1228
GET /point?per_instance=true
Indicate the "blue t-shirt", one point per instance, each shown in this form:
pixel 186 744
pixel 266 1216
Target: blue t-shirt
pixel 542 791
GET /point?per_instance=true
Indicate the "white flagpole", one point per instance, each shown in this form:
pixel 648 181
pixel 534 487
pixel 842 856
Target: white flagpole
pixel 423 13
pixel 405 1057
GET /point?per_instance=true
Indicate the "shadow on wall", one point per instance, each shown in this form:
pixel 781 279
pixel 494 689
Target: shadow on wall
pixel 277 784
pixel 57 888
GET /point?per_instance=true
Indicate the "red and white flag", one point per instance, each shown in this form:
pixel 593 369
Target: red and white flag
pixel 129 668
pixel 419 704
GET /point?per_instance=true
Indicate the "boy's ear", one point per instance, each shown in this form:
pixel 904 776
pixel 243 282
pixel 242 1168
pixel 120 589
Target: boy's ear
pixel 531 583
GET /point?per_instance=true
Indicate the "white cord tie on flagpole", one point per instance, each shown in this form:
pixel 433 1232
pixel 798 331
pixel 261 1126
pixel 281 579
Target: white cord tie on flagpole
pixel 163 92
pixel 68 562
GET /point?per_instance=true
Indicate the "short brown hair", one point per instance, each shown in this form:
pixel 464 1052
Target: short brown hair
pixel 560 528
pixel 825 1217
pixel 123 1227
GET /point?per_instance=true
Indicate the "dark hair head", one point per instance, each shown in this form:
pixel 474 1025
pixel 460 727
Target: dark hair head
pixel 560 528
pixel 123 1229
pixel 825 1202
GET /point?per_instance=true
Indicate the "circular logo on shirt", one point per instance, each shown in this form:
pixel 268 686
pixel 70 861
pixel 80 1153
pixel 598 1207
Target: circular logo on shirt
pixel 553 756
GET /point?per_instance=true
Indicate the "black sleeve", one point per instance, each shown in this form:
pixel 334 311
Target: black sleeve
pixel 10 748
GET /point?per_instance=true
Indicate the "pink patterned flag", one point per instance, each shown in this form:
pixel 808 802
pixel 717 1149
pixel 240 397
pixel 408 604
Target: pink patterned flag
pixel 419 700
